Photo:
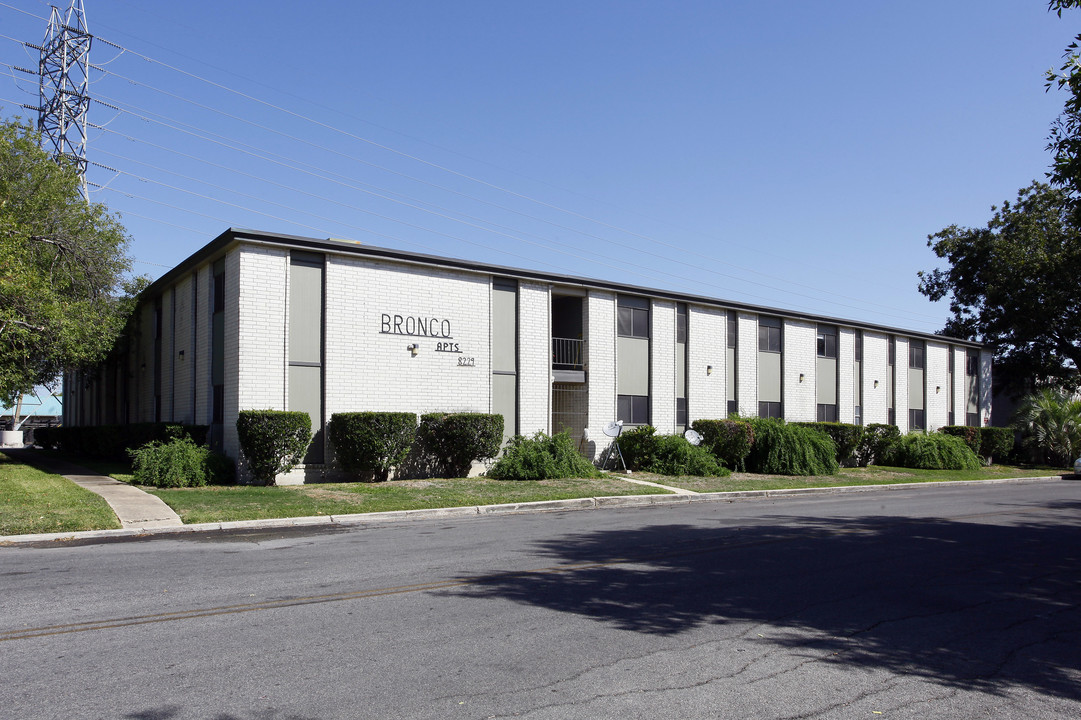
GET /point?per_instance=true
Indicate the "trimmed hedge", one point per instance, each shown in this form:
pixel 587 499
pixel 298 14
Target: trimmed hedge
pixel 971 435
pixel 541 457
pixel 877 438
pixel 934 451
pixel 845 436
pixel 996 443
pixel 670 455
pixel 783 449
pixel 179 463
pixel 114 442
pixel 372 441
pixel 730 441
pixel 449 443
pixel 273 441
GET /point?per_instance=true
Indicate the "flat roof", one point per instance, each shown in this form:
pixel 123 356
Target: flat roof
pixel 223 242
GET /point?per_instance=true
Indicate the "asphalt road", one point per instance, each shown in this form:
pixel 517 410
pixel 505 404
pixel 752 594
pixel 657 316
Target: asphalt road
pixel 925 603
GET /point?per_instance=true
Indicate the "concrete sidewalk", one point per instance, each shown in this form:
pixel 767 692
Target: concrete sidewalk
pixel 136 509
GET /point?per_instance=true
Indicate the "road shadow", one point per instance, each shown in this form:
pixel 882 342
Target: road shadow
pixel 964 603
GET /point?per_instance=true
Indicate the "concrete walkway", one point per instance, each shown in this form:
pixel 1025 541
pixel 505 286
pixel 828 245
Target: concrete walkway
pixel 134 508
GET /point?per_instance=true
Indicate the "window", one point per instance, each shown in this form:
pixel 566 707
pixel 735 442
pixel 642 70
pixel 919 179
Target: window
pixel 769 410
pixel 827 341
pixel 769 334
pixel 857 353
pixel 633 320
pixel 633 409
pixel 219 287
pixel 733 409
pixel 891 416
pixel 892 351
pixel 681 323
pixel 218 401
pixel 681 411
pixel 827 413
pixel 857 415
pixel 972 419
pixel 972 362
pixel 733 329
pixel 916 350
pixel 915 420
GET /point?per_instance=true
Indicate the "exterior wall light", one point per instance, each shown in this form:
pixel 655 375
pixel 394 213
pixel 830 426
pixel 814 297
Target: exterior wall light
pixel 413 349
pixel 709 369
pixel 938 389
pixel 801 377
pixel 876 383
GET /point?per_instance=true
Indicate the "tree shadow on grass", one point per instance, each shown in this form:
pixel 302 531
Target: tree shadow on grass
pixel 963 603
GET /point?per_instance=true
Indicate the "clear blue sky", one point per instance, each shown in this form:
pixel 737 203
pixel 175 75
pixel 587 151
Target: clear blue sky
pixel 790 154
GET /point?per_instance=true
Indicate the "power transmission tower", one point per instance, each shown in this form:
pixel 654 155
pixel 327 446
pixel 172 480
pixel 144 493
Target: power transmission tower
pixel 62 72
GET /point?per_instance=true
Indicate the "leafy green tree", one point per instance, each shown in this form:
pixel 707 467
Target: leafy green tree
pixel 1064 141
pixel 1050 421
pixel 63 294
pixel 1013 285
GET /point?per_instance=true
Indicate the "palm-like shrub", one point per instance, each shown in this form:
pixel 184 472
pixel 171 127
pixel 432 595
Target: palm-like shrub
pixel 1050 422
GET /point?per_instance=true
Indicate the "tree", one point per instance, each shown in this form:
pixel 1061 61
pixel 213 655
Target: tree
pixel 1051 422
pixel 64 298
pixel 1013 285
pixel 1064 141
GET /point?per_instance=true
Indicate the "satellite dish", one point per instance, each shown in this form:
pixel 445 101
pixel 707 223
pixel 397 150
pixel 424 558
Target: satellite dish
pixel 693 437
pixel 614 428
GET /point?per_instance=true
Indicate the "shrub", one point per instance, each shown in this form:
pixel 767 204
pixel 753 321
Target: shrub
pixel 876 439
pixel 178 463
pixel 783 449
pixel 971 435
pixel 273 441
pixel 673 455
pixel 372 441
pixel 931 452
pixel 638 447
pixel 644 450
pixel 541 457
pixel 730 441
pixel 845 436
pixel 451 442
pixel 996 443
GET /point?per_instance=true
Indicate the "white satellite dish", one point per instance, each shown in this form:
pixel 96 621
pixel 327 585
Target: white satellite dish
pixel 614 428
pixel 693 437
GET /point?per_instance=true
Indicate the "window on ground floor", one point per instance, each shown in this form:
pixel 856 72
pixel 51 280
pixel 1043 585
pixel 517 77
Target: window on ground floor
pixel 827 413
pixel 633 409
pixel 769 410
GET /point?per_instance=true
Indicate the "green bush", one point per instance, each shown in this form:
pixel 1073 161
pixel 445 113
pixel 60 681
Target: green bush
pixel 730 441
pixel 845 436
pixel 996 443
pixel 449 443
pixel 783 449
pixel 372 441
pixel 971 435
pixel 273 441
pixel 876 439
pixel 178 463
pixel 934 451
pixel 638 447
pixel 672 455
pixel 541 457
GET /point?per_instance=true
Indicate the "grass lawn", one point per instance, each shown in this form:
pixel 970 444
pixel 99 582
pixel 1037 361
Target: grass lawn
pixel 32 501
pixel 223 503
pixel 874 475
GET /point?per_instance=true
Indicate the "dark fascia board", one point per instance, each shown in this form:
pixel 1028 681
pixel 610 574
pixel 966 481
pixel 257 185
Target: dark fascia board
pixel 219 245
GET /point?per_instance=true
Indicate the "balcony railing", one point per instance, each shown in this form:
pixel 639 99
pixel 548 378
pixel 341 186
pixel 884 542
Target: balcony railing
pixel 568 354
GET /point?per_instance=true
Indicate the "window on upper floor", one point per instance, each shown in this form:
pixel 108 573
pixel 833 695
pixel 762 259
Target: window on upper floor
pixel 769 334
pixel 827 341
pixel 633 316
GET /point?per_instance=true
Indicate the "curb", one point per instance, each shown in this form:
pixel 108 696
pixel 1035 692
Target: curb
pixel 541 506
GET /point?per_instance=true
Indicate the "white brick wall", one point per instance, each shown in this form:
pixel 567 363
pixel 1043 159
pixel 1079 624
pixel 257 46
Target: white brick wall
pixel 901 374
pixel 662 348
pixel 601 367
pixel 846 375
pixel 534 357
pixel 367 369
pixel 707 343
pixel 747 360
pixel 799 358
pixel 935 373
pixel 875 370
